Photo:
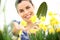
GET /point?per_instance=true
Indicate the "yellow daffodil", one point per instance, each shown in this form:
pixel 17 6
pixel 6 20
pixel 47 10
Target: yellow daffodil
pixel 54 21
pixel 33 30
pixel 19 38
pixel 58 30
pixel 33 19
pixel 42 26
pixel 43 18
pixel 51 14
pixel 20 32
pixel 23 23
pixel 51 30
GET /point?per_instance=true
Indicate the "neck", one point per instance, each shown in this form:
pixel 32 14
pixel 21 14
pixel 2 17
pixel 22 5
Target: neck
pixel 29 22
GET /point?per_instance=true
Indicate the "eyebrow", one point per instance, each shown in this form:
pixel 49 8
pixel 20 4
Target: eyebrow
pixel 27 7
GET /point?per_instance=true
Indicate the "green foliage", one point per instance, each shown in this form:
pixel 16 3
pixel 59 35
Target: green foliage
pixel 57 35
pixel 32 36
pixel 52 36
pixel 42 10
pixel 40 35
pixel 5 35
pixel 1 35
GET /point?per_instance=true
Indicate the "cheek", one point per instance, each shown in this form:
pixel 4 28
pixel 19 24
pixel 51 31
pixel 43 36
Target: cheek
pixel 21 15
pixel 31 9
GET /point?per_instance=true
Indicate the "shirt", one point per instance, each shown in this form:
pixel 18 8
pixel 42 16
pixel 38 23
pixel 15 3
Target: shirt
pixel 23 36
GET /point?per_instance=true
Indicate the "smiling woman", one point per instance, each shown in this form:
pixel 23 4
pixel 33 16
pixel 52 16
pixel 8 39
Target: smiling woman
pixel 25 10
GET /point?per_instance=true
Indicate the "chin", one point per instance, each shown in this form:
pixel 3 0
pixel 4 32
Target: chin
pixel 27 20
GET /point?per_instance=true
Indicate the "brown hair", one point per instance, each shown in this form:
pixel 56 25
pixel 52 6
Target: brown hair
pixel 19 1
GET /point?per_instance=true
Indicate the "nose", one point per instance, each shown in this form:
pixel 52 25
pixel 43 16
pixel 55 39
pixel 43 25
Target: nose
pixel 26 12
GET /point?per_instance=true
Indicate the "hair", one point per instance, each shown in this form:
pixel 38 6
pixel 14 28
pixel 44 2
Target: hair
pixel 19 1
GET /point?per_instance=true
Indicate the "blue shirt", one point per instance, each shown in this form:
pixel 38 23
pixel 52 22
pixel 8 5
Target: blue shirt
pixel 24 35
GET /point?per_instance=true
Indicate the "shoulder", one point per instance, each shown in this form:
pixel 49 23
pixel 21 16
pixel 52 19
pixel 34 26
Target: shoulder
pixel 16 21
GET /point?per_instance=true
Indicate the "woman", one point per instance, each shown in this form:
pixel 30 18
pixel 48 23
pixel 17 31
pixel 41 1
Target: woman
pixel 25 9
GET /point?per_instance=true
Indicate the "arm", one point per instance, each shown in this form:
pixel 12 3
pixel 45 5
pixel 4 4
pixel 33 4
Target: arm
pixel 15 28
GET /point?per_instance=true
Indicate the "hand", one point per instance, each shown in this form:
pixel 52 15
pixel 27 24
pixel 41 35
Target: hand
pixel 17 28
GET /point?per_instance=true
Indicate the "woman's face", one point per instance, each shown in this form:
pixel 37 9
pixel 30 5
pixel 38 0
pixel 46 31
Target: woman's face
pixel 25 10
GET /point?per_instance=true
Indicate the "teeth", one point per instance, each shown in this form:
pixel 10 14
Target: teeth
pixel 28 16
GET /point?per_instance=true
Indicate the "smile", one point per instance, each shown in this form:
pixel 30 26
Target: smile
pixel 28 16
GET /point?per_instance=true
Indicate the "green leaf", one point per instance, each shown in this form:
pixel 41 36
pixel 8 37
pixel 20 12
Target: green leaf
pixel 52 36
pixel 40 35
pixel 58 35
pixel 5 33
pixel 1 35
pixel 32 36
pixel 42 10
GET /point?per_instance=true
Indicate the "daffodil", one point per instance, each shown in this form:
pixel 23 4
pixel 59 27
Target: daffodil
pixel 23 23
pixel 51 13
pixel 58 30
pixel 33 19
pixel 42 26
pixel 19 38
pixel 53 21
pixel 20 32
pixel 33 30
pixel 51 30
pixel 43 18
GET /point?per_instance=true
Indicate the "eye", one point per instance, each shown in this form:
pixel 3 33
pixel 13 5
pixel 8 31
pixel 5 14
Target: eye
pixel 21 10
pixel 27 7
